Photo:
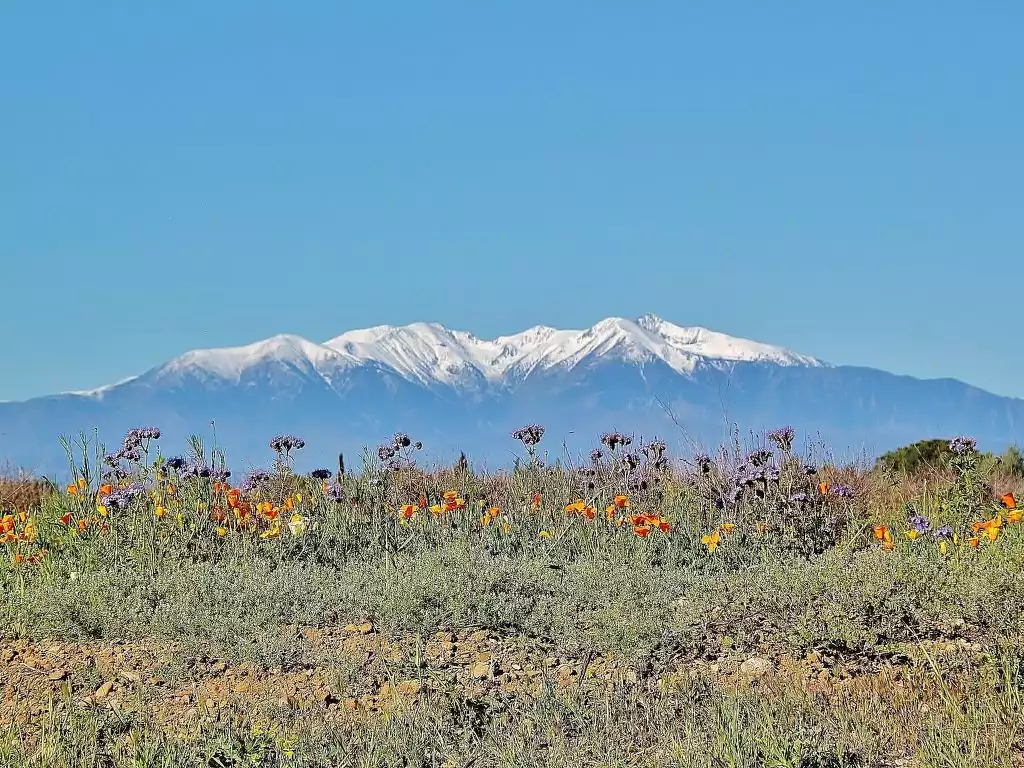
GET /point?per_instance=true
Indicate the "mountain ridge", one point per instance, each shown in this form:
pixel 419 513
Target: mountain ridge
pixel 459 392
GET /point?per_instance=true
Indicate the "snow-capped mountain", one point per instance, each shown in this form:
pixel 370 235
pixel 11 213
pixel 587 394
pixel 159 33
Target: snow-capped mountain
pixel 430 354
pixel 456 391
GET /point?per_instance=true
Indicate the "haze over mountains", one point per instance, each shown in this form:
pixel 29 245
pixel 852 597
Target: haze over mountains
pixel 454 391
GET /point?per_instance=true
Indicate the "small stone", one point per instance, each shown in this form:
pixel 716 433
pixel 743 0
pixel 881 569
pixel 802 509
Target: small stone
pixel 350 704
pixel 242 686
pixel 351 628
pixel 480 671
pixel 483 656
pixel 59 674
pixel 218 668
pixel 756 666
pixel 366 628
pixel 410 687
pixel 7 655
pixel 131 676
pixel 102 692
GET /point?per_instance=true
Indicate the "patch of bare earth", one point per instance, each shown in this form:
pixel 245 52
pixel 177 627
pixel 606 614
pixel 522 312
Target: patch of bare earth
pixel 354 672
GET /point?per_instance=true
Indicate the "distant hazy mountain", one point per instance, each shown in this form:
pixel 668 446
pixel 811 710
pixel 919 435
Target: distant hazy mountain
pixel 454 391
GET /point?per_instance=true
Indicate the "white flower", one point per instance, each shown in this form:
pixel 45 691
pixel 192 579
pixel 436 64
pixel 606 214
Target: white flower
pixel 297 525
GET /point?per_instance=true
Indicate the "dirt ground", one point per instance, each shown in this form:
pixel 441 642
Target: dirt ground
pixel 354 672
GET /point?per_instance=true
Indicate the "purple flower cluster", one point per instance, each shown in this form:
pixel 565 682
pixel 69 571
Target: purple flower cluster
pixel 335 492
pixel 529 435
pixel 320 474
pixel 842 491
pixel 703 461
pixel 120 498
pixel 615 439
pixel 783 437
pixel 176 463
pixel 196 469
pixel 943 532
pixel 254 479
pixel 920 524
pixel 760 458
pixel 596 455
pixel 963 445
pixel 287 443
pixel 140 434
pixel 810 469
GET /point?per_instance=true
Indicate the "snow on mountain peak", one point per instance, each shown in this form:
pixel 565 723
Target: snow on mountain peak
pixel 429 352
pixel 231 362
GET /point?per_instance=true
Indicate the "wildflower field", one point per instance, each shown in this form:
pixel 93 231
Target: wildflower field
pixel 753 607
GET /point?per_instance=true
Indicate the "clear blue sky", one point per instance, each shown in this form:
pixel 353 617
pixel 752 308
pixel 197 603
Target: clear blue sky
pixel 844 179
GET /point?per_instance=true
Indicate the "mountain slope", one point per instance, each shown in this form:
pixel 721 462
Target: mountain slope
pixel 455 391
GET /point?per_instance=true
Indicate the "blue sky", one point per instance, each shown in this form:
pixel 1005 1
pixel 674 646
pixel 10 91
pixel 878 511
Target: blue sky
pixel 841 179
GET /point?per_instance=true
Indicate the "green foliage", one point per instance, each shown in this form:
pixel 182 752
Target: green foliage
pixel 923 454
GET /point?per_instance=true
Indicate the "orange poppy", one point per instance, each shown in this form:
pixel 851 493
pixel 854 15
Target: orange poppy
pixel 1014 516
pixel 621 501
pixel 66 519
pixel 974 541
pixel 106 489
pixel 823 487
pixel 536 501
pixel 1008 500
pixel 234 495
pixel 589 512
pixel 642 531
pixel 880 531
pixel 408 510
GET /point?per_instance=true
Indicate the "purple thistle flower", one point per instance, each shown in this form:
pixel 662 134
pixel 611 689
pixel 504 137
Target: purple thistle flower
pixel 810 469
pixel 963 445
